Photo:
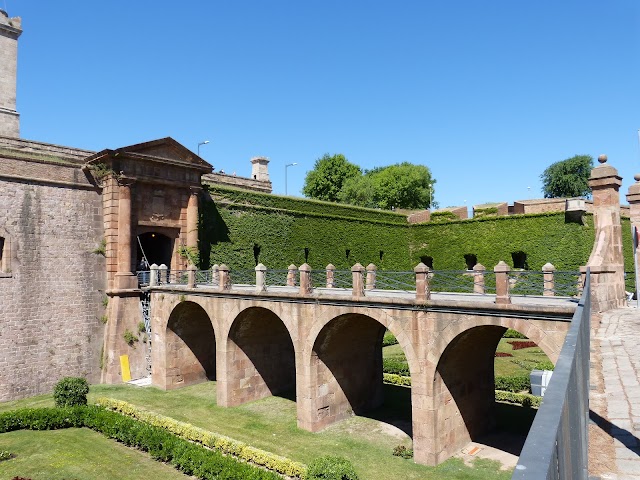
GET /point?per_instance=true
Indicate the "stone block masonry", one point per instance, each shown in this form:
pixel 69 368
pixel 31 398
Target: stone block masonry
pixel 51 295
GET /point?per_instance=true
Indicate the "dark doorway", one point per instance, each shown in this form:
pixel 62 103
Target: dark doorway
pixel 471 260
pixel 427 260
pixel 520 260
pixel 157 247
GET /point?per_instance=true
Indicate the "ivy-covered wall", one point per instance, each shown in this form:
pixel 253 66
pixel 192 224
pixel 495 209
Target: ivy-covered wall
pixel 240 227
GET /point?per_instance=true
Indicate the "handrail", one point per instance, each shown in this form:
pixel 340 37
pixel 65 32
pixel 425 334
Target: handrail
pixel 556 447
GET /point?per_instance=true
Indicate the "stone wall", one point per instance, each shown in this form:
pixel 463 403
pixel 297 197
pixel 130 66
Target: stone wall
pixel 52 290
pixel 9 33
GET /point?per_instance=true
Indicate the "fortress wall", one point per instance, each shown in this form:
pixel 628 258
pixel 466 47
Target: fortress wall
pixel 51 284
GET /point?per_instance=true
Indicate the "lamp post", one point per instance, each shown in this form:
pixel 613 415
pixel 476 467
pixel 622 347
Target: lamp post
pixel 285 175
pixel 202 143
pixel 431 196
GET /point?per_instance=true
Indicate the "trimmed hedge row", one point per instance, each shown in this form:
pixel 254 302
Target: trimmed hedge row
pixel 211 440
pixel 188 457
pixel 397 367
pixel 513 383
pixel 524 399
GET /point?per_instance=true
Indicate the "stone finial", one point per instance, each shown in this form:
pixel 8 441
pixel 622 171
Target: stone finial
pixel 291 275
pixel 602 158
pixel 636 177
pixel 421 268
pixel 548 267
pixel 478 267
pixel 502 267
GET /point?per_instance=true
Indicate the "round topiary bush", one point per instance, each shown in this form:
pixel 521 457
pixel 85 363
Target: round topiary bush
pixel 331 468
pixel 71 391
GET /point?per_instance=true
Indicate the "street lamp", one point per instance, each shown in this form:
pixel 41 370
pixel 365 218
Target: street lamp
pixel 285 175
pixel 202 143
pixel 431 196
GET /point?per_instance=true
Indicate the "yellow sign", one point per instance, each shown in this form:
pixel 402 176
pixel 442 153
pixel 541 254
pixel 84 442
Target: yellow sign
pixel 124 367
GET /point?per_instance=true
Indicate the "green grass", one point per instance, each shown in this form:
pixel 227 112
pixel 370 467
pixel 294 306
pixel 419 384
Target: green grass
pixel 79 454
pixel 270 424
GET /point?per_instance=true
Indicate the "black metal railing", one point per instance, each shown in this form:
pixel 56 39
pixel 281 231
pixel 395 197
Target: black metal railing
pixel 556 447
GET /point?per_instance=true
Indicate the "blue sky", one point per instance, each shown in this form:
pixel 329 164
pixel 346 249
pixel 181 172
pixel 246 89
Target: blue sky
pixel 486 94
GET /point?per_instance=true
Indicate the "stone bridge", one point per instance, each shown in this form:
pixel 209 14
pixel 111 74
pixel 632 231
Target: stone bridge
pixel 326 346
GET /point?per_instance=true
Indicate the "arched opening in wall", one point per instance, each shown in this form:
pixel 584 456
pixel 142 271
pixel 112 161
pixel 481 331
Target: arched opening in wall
pixel 427 260
pixel 349 363
pixel 157 247
pixel 190 346
pixel 472 376
pixel 263 357
pixel 471 260
pixel 520 260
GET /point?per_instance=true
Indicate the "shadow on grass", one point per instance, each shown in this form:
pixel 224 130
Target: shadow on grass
pixel 396 409
pixel 512 427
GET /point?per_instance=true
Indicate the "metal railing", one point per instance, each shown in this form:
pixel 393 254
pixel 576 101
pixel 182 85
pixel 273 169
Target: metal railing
pixel 404 281
pixel 243 276
pixel 556 447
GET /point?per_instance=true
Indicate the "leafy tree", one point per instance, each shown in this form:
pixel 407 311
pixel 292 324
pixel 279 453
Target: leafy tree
pixel 568 178
pixel 328 176
pixel 403 185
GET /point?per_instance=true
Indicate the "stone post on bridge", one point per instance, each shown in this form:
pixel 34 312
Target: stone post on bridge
pixel 423 292
pixel 331 276
pixel 223 278
pixel 606 261
pixel 633 197
pixel 502 283
pixel 291 275
pixel 153 275
pixel 549 284
pixel 261 278
pixel 305 279
pixel 215 274
pixel 371 276
pixel 191 276
pixel 357 274
pixel 478 278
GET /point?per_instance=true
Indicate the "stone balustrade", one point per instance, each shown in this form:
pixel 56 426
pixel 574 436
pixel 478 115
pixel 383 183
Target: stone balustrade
pixel 501 282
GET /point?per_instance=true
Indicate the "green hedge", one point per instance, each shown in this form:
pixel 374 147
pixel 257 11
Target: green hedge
pixel 397 367
pixel 513 383
pixel 224 444
pixel 189 458
pixel 237 227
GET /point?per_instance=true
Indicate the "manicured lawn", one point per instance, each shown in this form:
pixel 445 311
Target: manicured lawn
pixel 270 424
pixel 79 454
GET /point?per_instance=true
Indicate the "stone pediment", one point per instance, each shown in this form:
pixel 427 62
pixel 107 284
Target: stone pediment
pixel 162 160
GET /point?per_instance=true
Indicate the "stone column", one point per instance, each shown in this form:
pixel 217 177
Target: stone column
pixel 633 197
pixel 357 274
pixel 215 275
pixel 291 275
pixel 162 277
pixel 423 292
pixel 191 276
pixel 331 276
pixel 305 279
pixel 124 277
pixel 502 283
pixel 549 282
pixel 153 275
pixel 192 218
pixel 478 278
pixel 606 261
pixel 371 277
pixel 223 276
pixel 261 278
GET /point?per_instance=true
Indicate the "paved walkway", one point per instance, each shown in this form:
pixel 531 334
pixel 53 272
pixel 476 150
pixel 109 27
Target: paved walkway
pixel 614 450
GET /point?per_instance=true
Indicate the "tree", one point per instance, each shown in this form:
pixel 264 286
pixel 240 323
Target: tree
pixel 568 178
pixel 403 185
pixel 328 176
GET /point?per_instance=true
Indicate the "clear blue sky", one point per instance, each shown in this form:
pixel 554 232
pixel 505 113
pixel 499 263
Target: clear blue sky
pixel 486 94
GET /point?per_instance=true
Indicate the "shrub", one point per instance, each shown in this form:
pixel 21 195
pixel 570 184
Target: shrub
pixel 71 391
pixel 389 339
pixel 397 367
pixel 331 468
pixel 5 455
pixel 394 379
pixel 524 399
pixel 510 333
pixel 402 451
pixel 513 383
pixel 129 337
pixel 519 345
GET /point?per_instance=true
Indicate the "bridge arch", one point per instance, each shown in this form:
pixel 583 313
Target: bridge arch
pixel 189 347
pixel 342 362
pixel 462 377
pixel 259 357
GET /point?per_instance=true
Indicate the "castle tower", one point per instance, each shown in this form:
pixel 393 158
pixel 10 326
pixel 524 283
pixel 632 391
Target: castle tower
pixel 9 33
pixel 259 169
